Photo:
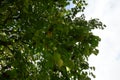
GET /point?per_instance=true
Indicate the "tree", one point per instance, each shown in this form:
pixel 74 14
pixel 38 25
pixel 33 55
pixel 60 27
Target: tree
pixel 43 40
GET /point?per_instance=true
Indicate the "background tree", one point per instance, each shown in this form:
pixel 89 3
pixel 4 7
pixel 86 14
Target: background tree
pixel 43 40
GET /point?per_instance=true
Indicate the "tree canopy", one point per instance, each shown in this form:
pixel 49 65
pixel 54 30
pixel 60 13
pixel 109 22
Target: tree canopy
pixel 44 40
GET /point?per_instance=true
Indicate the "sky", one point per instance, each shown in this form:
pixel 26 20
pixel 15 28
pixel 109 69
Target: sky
pixel 107 62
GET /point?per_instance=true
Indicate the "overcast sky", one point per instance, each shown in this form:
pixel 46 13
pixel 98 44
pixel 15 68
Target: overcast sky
pixel 107 63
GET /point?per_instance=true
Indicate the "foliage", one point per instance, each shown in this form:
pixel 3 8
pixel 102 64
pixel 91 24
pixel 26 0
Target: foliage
pixel 43 40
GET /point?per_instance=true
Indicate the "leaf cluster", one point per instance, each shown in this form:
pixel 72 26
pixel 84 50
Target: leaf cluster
pixel 42 40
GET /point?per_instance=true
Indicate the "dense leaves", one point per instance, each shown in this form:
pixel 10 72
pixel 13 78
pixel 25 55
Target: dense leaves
pixel 44 40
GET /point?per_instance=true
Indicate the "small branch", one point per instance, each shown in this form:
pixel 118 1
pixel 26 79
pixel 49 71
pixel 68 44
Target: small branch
pixel 5 43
